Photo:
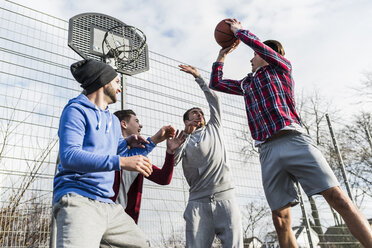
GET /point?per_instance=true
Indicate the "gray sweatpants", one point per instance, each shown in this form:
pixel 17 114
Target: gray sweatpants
pixel 215 215
pixel 83 222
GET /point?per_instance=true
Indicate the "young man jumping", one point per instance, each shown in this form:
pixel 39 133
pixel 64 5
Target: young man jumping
pixel 212 209
pixel 287 153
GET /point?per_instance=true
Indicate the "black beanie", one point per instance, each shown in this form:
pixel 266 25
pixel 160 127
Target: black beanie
pixel 92 74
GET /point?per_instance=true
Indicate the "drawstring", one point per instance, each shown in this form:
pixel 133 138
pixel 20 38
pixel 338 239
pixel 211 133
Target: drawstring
pixel 98 117
pixel 108 126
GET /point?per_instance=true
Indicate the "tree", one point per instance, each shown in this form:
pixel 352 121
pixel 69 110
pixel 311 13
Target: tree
pixel 256 219
pixel 22 214
pixel 356 152
pixel 312 110
pixel 366 86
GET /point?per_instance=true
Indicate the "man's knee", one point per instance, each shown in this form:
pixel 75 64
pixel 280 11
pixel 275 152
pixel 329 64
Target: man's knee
pixel 282 219
pixel 338 199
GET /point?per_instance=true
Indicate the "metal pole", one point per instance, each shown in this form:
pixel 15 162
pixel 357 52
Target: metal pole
pixel 123 91
pixel 341 162
pixel 53 225
pixel 368 135
pixel 304 215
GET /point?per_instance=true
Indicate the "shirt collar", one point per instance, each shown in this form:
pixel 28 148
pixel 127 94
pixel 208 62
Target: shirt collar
pixel 254 73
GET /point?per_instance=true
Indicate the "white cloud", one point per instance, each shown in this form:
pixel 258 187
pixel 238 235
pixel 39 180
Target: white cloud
pixel 327 41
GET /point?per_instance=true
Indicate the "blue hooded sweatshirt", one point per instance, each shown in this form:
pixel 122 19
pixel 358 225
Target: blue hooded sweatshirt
pixel 90 144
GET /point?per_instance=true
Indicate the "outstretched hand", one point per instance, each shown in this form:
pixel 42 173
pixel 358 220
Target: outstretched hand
pixel 190 69
pixel 173 143
pixel 134 141
pixel 164 133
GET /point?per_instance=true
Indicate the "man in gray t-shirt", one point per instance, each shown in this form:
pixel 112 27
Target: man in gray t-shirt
pixel 212 208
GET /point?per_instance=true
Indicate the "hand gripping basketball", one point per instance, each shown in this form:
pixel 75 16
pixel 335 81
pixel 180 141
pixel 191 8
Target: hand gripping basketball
pixel 223 34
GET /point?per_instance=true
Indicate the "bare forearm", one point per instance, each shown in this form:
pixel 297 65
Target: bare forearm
pixel 220 58
pixel 155 139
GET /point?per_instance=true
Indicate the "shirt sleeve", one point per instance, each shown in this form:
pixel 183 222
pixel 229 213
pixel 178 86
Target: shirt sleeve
pixel 224 85
pixel 265 52
pixel 123 150
pixel 72 156
pixel 163 176
pixel 179 154
pixel 213 102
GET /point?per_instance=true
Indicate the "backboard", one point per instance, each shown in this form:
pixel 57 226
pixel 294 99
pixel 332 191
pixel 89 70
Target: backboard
pixel 104 38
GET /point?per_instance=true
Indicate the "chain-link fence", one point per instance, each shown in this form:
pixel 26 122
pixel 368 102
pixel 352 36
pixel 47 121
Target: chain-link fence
pixel 35 84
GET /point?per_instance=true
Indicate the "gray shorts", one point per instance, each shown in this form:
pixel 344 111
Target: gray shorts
pixel 291 158
pixel 217 215
pixel 83 222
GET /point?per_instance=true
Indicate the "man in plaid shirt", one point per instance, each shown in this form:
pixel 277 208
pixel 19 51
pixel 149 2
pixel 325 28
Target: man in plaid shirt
pixel 287 154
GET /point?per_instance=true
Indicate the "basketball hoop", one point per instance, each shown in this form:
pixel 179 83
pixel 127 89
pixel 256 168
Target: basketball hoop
pixel 124 44
pixel 107 39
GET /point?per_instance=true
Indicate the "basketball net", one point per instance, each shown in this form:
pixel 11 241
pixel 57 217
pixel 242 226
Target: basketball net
pixel 122 46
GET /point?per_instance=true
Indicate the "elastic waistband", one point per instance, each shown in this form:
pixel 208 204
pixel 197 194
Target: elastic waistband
pixel 223 195
pixel 282 133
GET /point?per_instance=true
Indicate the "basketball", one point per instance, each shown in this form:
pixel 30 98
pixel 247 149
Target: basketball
pixel 223 35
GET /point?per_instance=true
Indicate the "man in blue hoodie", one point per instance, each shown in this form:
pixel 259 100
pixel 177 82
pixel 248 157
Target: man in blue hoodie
pixel 91 149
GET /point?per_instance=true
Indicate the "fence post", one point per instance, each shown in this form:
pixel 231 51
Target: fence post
pixel 304 215
pixel 53 225
pixel 123 93
pixel 341 162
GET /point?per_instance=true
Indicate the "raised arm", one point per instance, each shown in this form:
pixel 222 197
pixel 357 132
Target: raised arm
pixel 216 81
pixel 164 133
pixel 224 85
pixel 141 146
pixel 144 149
pixel 264 51
pixel 212 98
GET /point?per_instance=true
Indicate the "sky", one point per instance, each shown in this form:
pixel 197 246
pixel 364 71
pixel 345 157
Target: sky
pixel 328 42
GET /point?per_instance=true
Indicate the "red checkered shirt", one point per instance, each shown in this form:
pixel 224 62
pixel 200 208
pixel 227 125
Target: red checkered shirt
pixel 268 93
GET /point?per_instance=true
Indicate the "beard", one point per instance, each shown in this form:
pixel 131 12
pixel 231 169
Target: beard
pixel 109 91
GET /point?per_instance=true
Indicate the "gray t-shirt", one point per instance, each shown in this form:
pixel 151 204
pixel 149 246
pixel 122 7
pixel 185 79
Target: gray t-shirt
pixel 128 177
pixel 126 180
pixel 203 155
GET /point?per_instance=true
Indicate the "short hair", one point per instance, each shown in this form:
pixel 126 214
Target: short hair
pixel 186 114
pixel 124 114
pixel 276 46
